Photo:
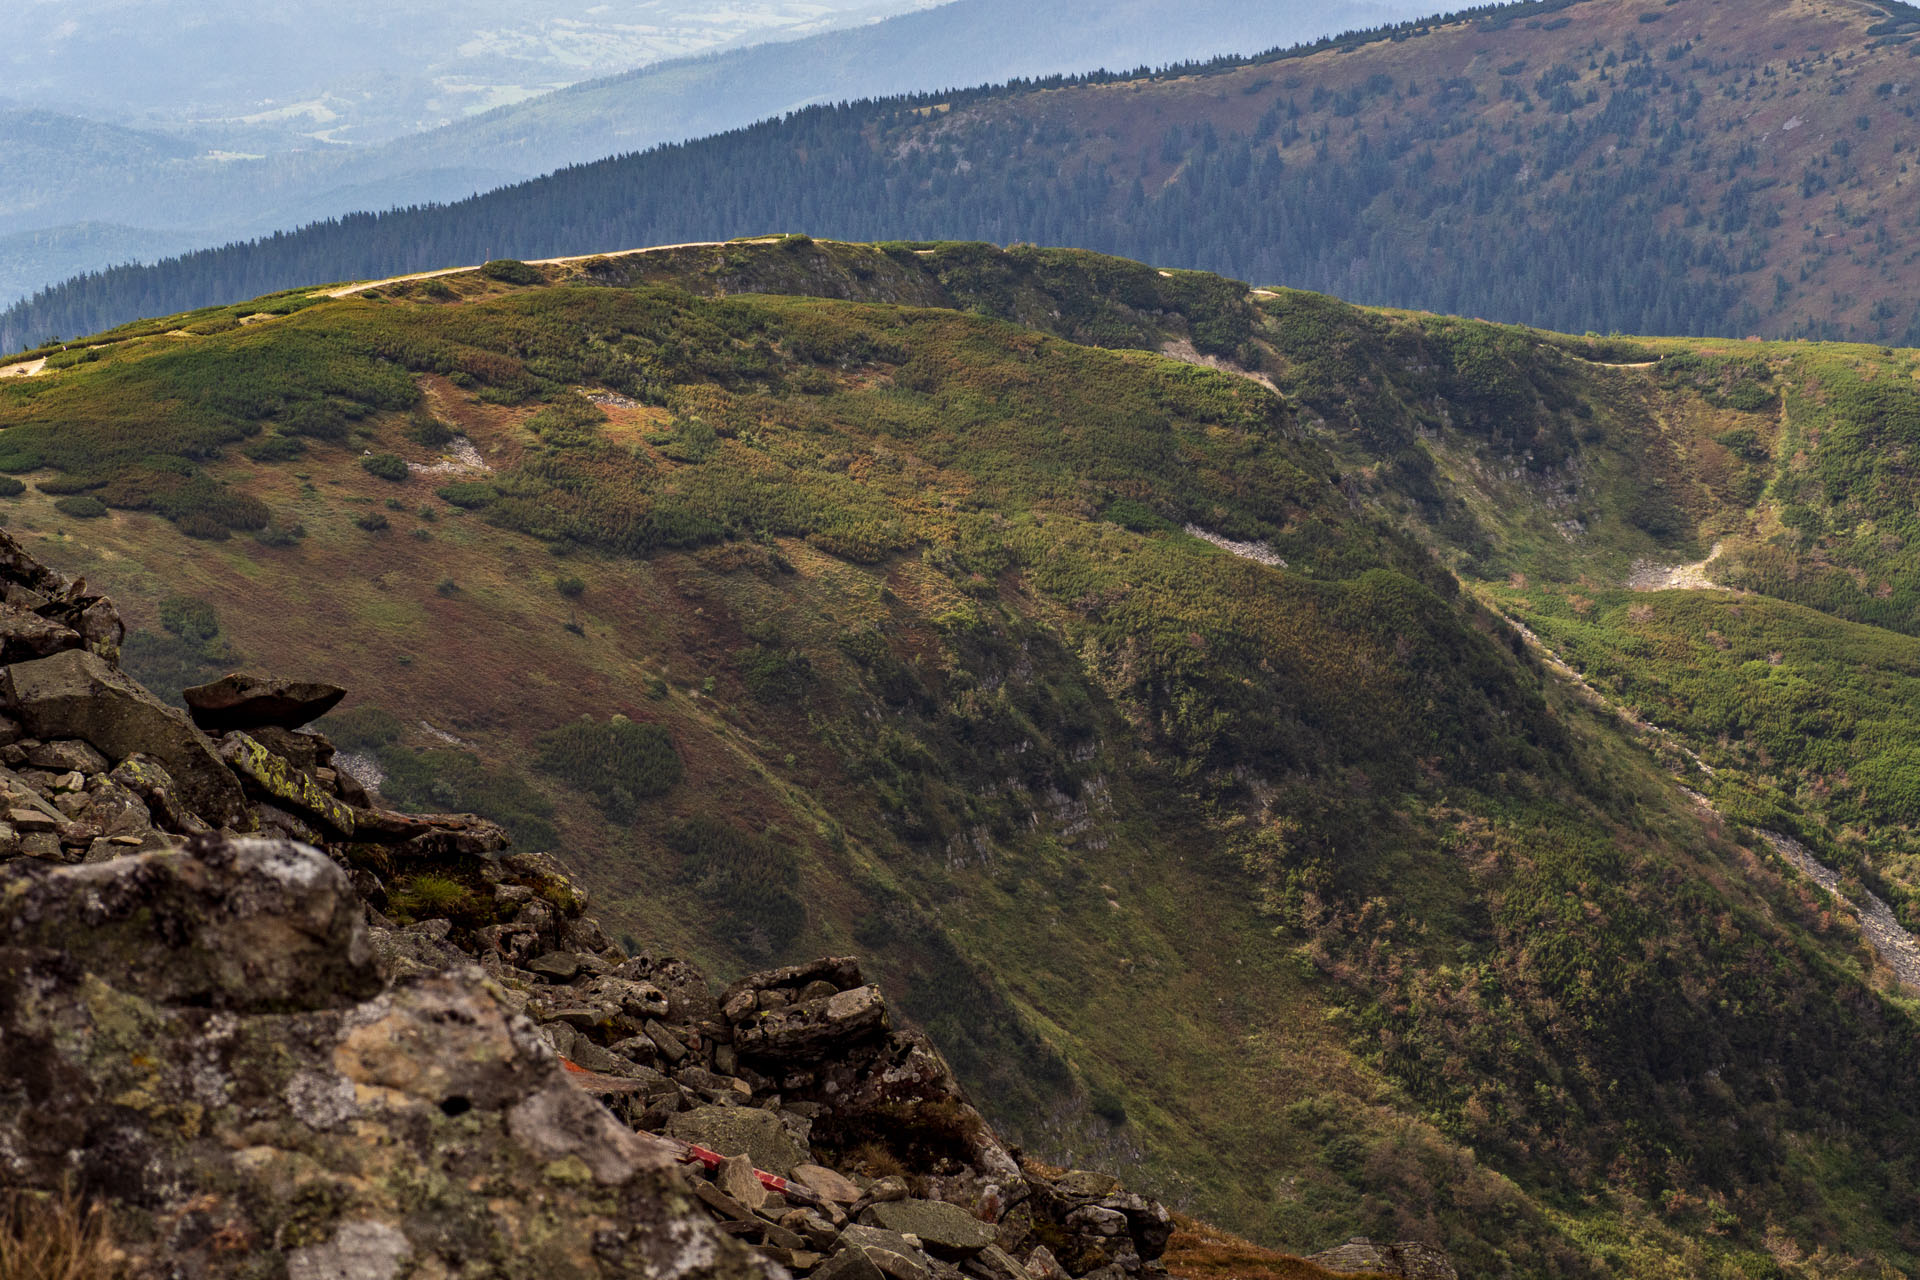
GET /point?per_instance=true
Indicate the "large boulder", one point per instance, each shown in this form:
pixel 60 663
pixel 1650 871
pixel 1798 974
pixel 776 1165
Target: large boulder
pixel 68 615
pixel 257 702
pixel 1094 1220
pixel 748 1131
pixel 811 1029
pixel 239 925
pixel 430 835
pixel 337 1132
pixel 280 782
pixel 942 1227
pixel 1409 1259
pixel 77 694
pixel 25 635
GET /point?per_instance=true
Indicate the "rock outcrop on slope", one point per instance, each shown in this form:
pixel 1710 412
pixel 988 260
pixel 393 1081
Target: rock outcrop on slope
pixel 214 1022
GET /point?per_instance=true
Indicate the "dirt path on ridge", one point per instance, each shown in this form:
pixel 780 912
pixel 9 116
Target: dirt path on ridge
pixel 347 291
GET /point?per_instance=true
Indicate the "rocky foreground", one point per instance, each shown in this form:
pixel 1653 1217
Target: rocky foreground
pixel 213 1022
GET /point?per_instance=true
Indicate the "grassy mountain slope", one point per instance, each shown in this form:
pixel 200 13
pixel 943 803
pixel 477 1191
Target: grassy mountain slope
pixel 1283 874
pixel 1694 167
pixel 1781 466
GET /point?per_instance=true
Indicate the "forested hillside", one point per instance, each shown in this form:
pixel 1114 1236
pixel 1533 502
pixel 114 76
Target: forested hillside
pixel 93 196
pixel 1004 616
pixel 1687 167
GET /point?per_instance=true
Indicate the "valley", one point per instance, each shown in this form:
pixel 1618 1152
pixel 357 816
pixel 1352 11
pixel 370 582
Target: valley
pixel 903 599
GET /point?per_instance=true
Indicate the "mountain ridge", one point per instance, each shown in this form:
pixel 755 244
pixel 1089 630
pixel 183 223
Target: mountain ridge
pixel 976 41
pixel 891 544
pixel 1601 191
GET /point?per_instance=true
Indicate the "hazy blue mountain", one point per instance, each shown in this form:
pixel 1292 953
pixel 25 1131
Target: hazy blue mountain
pixel 26 257
pixel 270 76
pixel 160 188
pixel 967 43
pixel 1616 187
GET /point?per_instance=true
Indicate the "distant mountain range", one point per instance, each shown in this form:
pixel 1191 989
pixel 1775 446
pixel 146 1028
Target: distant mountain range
pixel 163 192
pixel 267 77
pixel 1631 165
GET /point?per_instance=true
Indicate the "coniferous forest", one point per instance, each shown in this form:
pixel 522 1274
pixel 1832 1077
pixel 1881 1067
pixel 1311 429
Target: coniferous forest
pixel 1579 166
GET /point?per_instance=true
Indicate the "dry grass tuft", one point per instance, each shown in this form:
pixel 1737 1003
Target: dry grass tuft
pixel 56 1236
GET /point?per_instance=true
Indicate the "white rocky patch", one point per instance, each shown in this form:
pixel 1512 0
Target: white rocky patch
pixel 358 1251
pixel 611 400
pixel 1258 552
pixel 1899 949
pixel 361 767
pixel 1648 575
pixel 321 1101
pixel 436 732
pixel 465 460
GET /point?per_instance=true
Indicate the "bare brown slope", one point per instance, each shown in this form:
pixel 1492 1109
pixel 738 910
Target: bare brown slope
pixel 1781 134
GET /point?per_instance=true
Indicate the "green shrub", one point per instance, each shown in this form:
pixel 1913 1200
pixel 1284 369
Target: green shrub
pixel 387 466
pixel 178 490
pixel 280 535
pixel 1108 1105
pixel 188 649
pixel 430 896
pixel 570 422
pixel 449 781
pixel 570 587
pixel 70 483
pixel 204 528
pixel 746 879
pixel 372 522
pixel 425 429
pixel 512 271
pixel 615 761
pixel 81 507
pixel 1129 513
pixel 774 674
pixel 363 728
pixel 468 494
pixel 274 447
pixel 189 618
pixel 1750 397
pixel 447 586
pixel 690 441
pixel 11 487
pixel 328 419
